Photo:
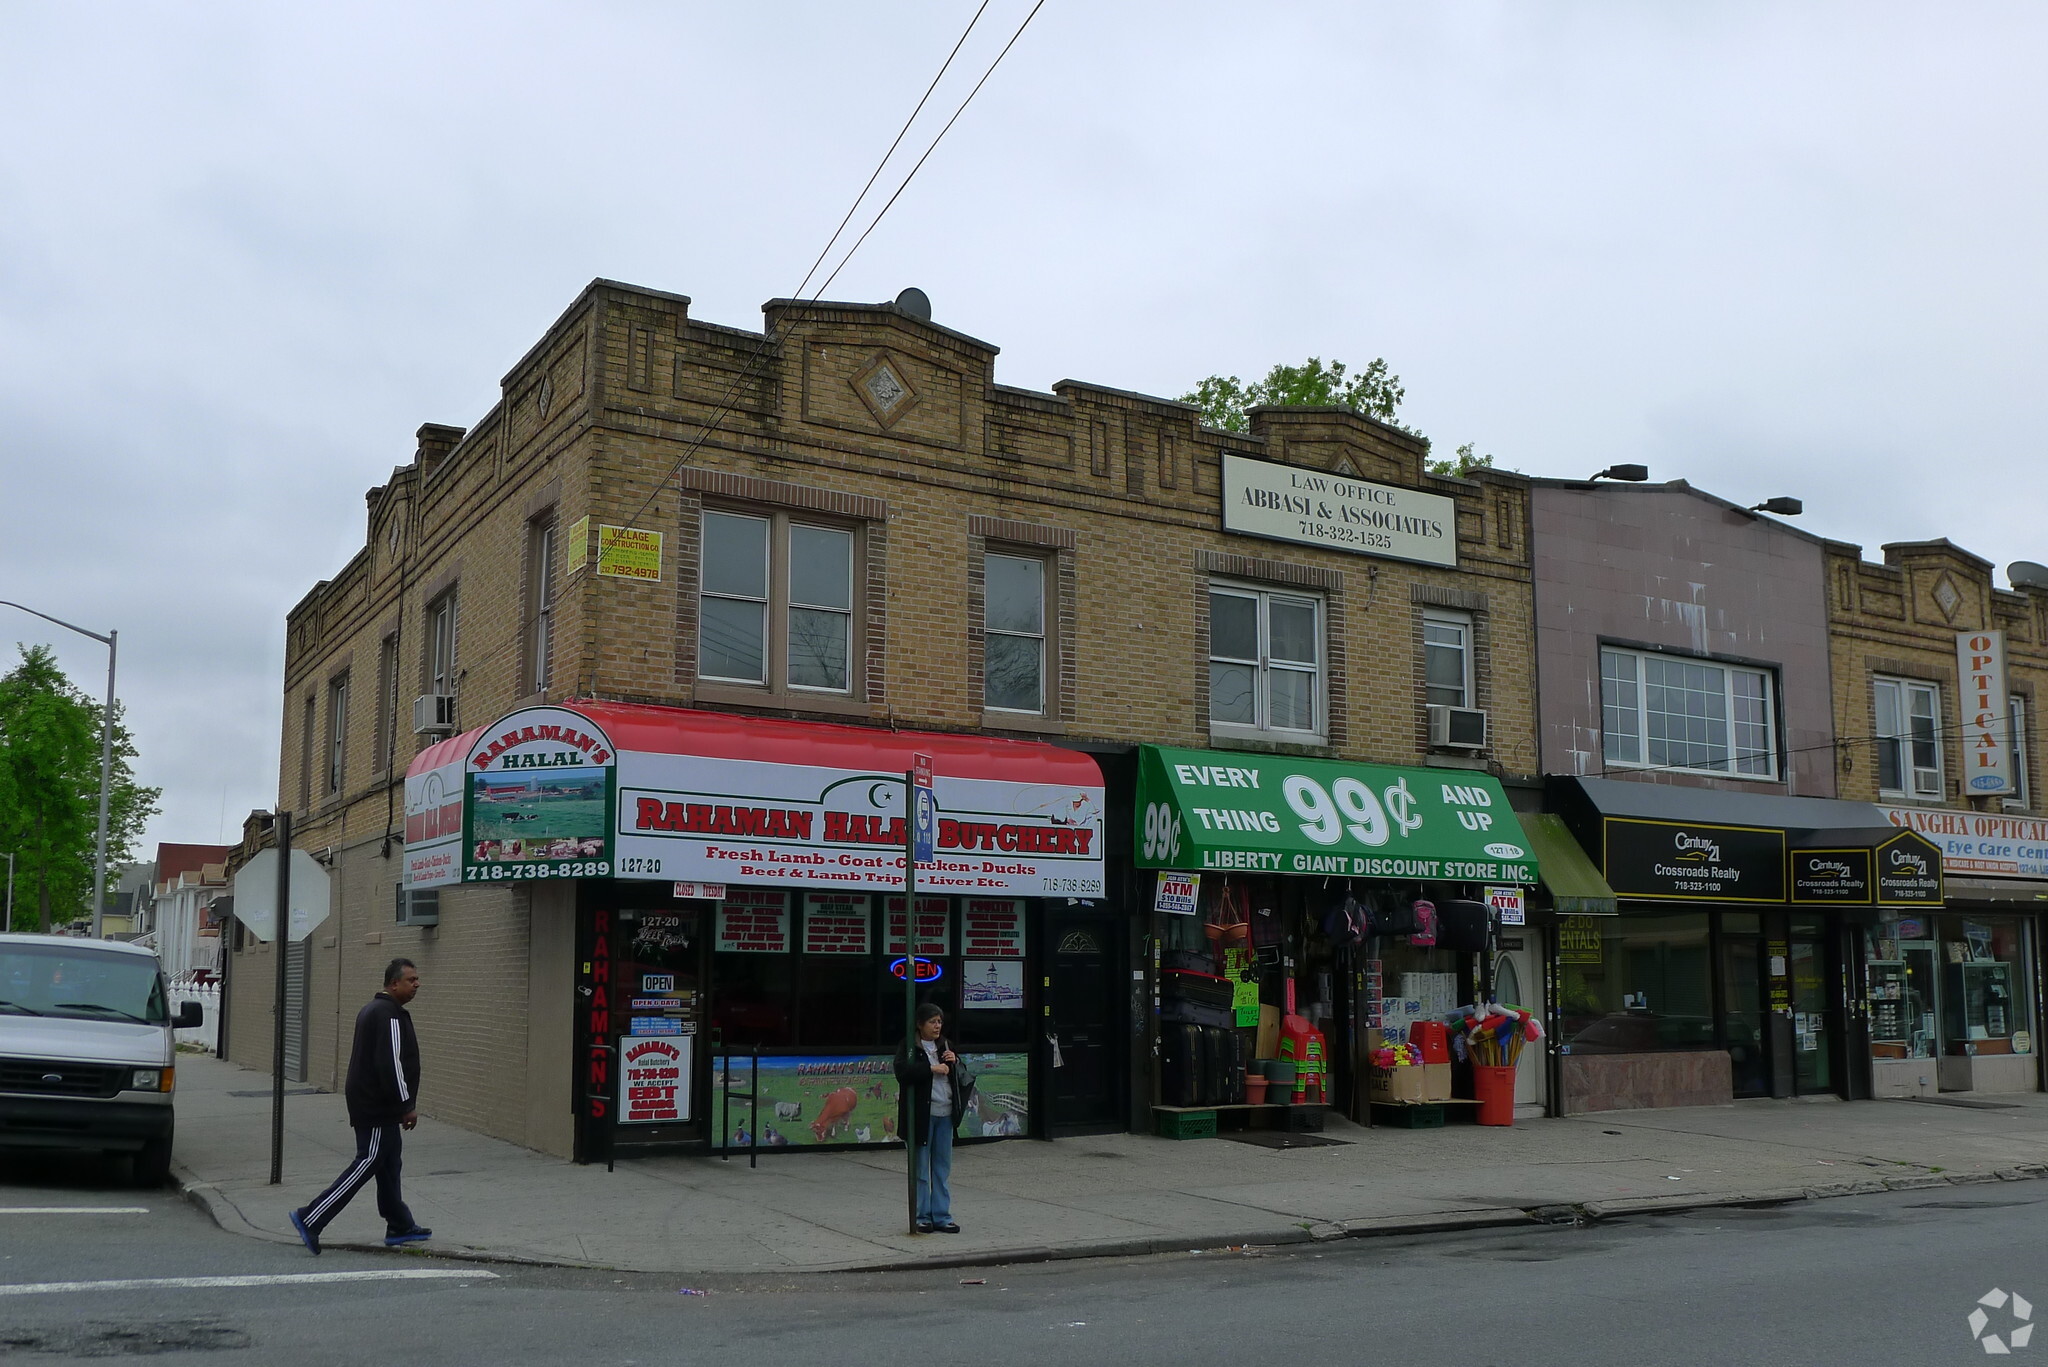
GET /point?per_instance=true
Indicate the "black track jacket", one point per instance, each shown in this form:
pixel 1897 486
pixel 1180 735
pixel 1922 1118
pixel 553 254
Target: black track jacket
pixel 383 1066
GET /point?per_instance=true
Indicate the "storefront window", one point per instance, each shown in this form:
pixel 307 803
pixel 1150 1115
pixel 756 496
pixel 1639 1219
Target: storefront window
pixel 1642 985
pixel 1948 985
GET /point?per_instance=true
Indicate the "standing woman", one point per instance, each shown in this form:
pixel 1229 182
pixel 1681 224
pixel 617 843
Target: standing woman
pixel 929 1079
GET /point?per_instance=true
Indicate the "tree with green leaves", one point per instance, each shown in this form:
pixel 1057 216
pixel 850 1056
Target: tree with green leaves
pixel 50 790
pixel 1374 391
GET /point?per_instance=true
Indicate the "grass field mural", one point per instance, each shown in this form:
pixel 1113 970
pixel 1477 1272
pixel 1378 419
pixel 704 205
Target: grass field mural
pixel 555 814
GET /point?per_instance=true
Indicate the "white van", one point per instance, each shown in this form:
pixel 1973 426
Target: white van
pixel 86 1054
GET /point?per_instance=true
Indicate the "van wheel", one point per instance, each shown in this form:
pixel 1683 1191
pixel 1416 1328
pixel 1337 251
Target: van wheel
pixel 153 1163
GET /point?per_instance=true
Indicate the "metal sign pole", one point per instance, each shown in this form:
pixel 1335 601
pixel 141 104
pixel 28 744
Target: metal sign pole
pixel 911 1139
pixel 280 939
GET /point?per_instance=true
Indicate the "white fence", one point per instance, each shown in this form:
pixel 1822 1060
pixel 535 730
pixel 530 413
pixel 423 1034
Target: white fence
pixel 189 988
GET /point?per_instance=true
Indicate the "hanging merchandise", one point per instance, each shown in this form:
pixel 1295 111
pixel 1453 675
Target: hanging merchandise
pixel 1462 925
pixel 1392 914
pixel 1344 924
pixel 1227 926
pixel 1424 934
pixel 1492 1035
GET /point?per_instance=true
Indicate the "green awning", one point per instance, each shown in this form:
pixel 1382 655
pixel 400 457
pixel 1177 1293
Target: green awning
pixel 1575 885
pixel 1208 809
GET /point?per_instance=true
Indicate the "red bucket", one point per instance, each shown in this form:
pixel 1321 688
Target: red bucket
pixel 1431 1040
pixel 1493 1087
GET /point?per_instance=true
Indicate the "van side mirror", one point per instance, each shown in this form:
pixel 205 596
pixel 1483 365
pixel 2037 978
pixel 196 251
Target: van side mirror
pixel 191 1015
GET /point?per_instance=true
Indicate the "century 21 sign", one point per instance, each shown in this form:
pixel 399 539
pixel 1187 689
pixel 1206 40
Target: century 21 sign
pixel 1986 712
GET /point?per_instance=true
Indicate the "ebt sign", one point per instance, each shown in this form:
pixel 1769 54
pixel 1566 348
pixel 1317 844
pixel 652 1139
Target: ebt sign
pixel 1985 712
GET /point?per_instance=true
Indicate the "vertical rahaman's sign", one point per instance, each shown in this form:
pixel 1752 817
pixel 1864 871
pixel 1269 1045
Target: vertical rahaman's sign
pixel 1986 712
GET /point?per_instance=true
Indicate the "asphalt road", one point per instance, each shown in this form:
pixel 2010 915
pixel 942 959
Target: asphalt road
pixel 1868 1280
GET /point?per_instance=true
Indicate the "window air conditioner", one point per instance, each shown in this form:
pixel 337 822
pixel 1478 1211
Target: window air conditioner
pixel 433 714
pixel 422 908
pixel 1457 728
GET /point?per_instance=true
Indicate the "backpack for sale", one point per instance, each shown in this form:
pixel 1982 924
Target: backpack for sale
pixel 1391 914
pixel 1424 933
pixel 1345 924
pixel 1462 925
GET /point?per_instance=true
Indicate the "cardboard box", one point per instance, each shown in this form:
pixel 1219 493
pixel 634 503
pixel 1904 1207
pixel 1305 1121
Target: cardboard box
pixel 1436 1080
pixel 1398 1086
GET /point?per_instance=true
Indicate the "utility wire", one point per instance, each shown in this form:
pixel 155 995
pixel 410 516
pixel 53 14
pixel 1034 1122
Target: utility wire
pixel 730 399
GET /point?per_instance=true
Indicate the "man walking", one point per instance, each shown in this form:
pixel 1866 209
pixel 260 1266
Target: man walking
pixel 383 1098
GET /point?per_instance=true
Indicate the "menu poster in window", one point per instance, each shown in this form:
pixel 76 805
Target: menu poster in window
pixel 654 1080
pixel 992 928
pixel 992 985
pixel 751 921
pixel 934 927
pixel 836 923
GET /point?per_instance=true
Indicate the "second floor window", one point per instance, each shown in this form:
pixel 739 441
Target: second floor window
pixel 1265 662
pixel 2016 714
pixel 540 602
pixel 776 608
pixel 337 731
pixel 1013 633
pixel 1677 712
pixel 441 644
pixel 1908 747
pixel 1447 659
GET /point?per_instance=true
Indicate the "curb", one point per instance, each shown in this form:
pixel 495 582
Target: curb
pixel 225 1214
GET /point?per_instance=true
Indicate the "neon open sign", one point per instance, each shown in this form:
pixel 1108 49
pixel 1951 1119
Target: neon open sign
pixel 928 970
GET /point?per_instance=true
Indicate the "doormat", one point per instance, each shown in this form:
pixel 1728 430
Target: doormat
pixel 1277 1139
pixel 1966 1104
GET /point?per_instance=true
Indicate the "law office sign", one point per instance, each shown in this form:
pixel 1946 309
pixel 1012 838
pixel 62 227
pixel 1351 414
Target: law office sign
pixel 1318 508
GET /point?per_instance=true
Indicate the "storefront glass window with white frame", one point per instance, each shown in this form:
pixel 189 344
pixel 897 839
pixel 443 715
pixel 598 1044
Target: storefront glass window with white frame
pixel 1907 737
pixel 1683 713
pixel 1265 663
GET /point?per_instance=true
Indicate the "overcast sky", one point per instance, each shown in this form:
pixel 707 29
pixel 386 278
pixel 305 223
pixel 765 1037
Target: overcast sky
pixel 246 249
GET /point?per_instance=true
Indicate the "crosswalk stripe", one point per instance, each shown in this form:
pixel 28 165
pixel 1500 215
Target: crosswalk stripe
pixel 74 1210
pixel 251 1279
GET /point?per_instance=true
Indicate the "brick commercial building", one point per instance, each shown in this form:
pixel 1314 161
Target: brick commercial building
pixel 1936 674
pixel 657 638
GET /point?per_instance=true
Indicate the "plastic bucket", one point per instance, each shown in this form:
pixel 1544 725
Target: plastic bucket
pixel 1281 1072
pixel 1493 1087
pixel 1255 1091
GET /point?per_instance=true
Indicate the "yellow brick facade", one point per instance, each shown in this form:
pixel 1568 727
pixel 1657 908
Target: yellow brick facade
pixel 1899 619
pixel 631 413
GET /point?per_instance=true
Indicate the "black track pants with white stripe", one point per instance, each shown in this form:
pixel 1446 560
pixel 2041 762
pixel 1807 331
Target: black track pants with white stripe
pixel 377 1155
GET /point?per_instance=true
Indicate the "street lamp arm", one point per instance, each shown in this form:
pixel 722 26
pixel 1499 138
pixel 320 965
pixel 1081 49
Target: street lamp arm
pixel 68 626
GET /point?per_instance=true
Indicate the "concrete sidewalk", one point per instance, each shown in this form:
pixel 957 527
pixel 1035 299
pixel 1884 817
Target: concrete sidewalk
pixel 1110 1194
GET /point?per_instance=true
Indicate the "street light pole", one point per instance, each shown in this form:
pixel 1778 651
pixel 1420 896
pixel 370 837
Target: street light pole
pixel 99 857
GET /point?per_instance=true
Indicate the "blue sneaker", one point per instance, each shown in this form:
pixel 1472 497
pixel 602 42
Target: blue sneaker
pixel 307 1236
pixel 415 1235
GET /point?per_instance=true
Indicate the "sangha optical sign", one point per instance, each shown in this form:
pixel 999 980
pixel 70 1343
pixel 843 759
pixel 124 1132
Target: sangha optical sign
pixel 1318 508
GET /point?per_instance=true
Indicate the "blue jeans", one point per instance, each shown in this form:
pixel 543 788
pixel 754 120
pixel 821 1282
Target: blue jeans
pixel 935 1172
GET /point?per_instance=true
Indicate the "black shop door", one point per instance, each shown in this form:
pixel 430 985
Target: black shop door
pixel 1083 1023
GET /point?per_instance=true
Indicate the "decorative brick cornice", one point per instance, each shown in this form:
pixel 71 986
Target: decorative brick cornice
pixel 747 489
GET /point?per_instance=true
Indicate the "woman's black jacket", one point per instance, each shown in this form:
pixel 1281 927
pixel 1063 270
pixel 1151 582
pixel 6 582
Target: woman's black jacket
pixel 914 1089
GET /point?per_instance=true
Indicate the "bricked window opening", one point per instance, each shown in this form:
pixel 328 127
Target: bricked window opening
pixel 540 602
pixel 337 731
pixel 387 702
pixel 441 644
pixel 1265 663
pixel 776 603
pixel 1013 633
pixel 2022 793
pixel 1908 742
pixel 1680 713
pixel 1447 659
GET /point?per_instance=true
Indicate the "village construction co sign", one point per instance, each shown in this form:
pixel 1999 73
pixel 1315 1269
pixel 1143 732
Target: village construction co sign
pixel 531 796
pixel 1318 508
